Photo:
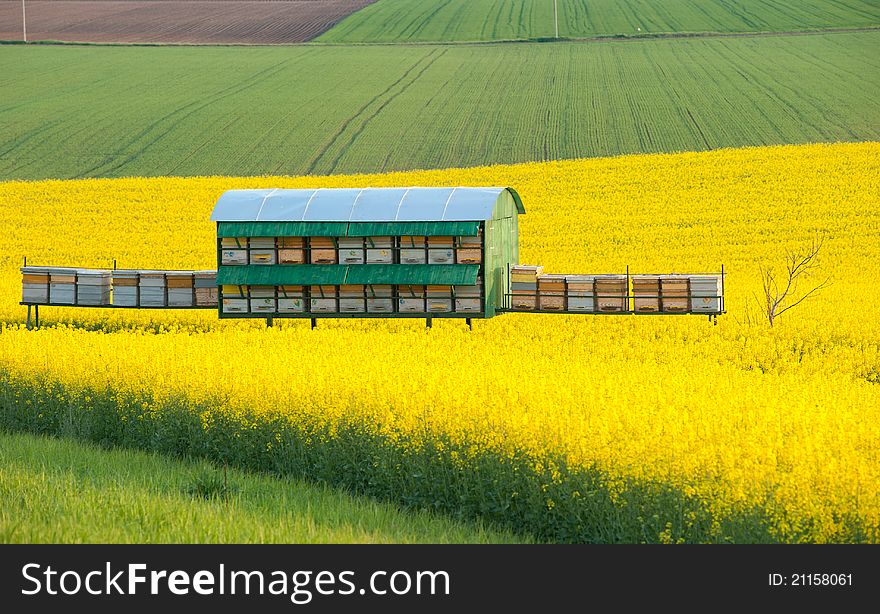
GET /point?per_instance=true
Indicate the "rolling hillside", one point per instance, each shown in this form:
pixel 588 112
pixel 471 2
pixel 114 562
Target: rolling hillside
pixel 486 20
pixel 118 111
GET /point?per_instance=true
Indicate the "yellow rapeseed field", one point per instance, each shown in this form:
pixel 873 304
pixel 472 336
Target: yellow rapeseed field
pixel 571 427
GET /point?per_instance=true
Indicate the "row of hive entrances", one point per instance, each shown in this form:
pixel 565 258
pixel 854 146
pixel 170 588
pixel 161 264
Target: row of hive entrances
pixel 118 287
pixel 531 290
pixel 350 250
pixel 351 299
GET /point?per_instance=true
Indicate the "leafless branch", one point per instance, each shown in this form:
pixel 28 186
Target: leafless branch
pixel 815 290
pixel 798 267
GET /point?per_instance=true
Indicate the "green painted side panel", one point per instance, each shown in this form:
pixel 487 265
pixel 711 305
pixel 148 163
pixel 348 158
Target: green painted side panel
pixel 281 275
pixel 342 229
pixel 282 229
pixel 501 249
pixel 403 229
pixel 418 274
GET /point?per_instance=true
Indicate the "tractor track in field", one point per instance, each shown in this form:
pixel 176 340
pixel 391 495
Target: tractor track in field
pixel 382 106
pixel 165 124
pixel 431 58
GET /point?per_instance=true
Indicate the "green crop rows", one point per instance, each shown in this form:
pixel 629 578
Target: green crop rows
pixel 118 111
pixel 473 20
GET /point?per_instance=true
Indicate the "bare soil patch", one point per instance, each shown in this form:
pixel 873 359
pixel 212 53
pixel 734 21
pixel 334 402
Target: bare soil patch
pixel 174 21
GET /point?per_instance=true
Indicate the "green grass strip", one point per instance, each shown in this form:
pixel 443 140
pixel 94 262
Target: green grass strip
pixel 64 491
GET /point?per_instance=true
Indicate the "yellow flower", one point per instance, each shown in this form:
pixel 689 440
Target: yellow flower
pixel 738 416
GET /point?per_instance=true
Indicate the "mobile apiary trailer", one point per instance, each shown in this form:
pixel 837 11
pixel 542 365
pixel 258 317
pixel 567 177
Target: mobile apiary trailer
pixel 371 252
pixel 417 252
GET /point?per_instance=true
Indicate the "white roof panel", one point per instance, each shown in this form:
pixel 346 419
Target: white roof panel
pixel 239 205
pixel 472 201
pixel 425 204
pixel 330 205
pixel 377 204
pixel 417 204
pixel 284 205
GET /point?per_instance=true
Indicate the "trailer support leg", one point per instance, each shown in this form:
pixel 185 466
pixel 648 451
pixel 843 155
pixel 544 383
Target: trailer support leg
pixel 269 322
pixel 429 322
pixel 29 318
pixel 470 323
pixel 37 316
pixel 314 323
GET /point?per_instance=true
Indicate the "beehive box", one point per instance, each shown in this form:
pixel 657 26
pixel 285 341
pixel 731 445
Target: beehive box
pixel 351 299
pixel 413 250
pixel 467 298
pixel 524 286
pixel 351 250
pixel 62 286
pixel 646 293
pixel 323 250
pixel 124 284
pixel 263 304
pixel 291 305
pixel 705 292
pixel 93 287
pixel 235 305
pixel 439 299
pixel 379 299
pixel 674 294
pixel 525 272
pixel 205 279
pixel 580 293
pixel 124 277
pixel 262 250
pixel 180 279
pixel 322 299
pixel 234 299
pixel 180 288
pixel 611 293
pixel 551 292
pixel 291 299
pixel 35 284
pixel 206 297
pixel 233 250
pixel 125 296
pixel 379 250
pixel 440 250
pixel 469 251
pixel 291 250
pixel 205 283
pixel 411 299
pixel 262 256
pixel 291 292
pixel 261 291
pixel 152 288
pixel 233 291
